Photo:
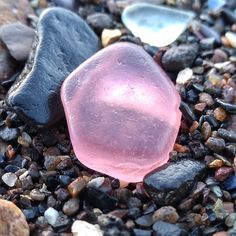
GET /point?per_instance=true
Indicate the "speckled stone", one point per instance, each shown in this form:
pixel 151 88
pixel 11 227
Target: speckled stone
pixel 12 220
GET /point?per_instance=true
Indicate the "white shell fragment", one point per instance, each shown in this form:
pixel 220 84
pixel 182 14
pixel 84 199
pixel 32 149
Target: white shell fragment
pixel 156 25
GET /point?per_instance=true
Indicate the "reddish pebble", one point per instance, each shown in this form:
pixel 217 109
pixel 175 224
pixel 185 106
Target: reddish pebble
pixel 122 112
pixel 223 173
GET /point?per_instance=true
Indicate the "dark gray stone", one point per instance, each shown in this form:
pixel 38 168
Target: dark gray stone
pixel 169 184
pixel 177 58
pixel 63 41
pixel 162 228
pixel 100 21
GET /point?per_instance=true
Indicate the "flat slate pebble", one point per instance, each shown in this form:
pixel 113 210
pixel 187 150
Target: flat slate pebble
pixel 38 86
pixel 169 184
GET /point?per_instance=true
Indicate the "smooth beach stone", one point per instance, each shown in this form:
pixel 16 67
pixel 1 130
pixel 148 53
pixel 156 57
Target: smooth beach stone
pixel 12 220
pixel 156 25
pixel 122 112
pixel 63 41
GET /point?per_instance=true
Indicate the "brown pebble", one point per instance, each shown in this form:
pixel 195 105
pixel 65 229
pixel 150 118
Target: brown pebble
pixel 12 220
pixel 223 173
pixel 206 130
pixel 219 56
pixel 10 152
pixel 220 114
pixel 193 219
pixel 193 127
pixel 166 213
pixel 76 186
pixel 216 164
pixel 180 148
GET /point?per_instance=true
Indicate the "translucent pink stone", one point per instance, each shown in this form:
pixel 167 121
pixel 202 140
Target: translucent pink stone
pixel 122 112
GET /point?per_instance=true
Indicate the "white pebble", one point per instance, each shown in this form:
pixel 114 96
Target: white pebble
pixel 231 37
pixel 51 216
pixel 96 183
pixel 9 179
pixel 184 76
pixel 83 228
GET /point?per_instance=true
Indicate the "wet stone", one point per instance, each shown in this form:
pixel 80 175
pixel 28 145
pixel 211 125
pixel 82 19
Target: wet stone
pixel 49 64
pixel 178 58
pixel 12 220
pixel 111 110
pixel 162 228
pixel 18 38
pixel 171 183
pixel 76 186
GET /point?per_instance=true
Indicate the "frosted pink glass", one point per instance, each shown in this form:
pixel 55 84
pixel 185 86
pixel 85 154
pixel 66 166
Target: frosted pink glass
pixel 122 112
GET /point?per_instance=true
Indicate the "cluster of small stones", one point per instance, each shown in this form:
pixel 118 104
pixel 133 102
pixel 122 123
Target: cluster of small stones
pixel 57 195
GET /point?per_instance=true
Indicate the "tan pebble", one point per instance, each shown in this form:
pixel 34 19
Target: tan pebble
pixel 216 164
pixel 220 114
pixel 166 213
pixel 12 220
pixel 225 41
pixel 206 130
pixel 109 36
pixel 231 37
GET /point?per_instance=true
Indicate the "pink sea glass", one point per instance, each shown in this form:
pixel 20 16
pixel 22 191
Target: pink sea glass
pixel 122 112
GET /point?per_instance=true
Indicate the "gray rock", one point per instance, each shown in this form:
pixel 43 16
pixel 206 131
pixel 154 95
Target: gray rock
pixel 162 228
pixel 18 38
pixel 171 183
pixel 178 58
pixel 38 86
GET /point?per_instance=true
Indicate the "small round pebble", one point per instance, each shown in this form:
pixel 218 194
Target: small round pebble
pixel 71 207
pixel 51 216
pixel 166 213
